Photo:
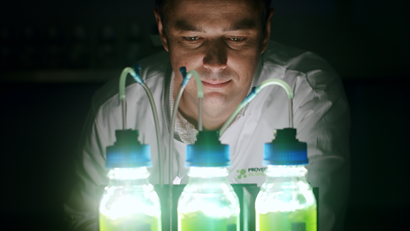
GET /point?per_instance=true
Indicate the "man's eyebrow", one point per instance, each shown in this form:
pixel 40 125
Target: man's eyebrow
pixel 244 24
pixel 183 25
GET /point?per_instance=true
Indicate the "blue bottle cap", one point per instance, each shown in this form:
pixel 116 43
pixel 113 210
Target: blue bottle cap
pixel 207 151
pixel 127 151
pixel 285 149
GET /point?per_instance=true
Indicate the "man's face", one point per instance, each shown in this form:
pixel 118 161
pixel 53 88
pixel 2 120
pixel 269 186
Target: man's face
pixel 221 40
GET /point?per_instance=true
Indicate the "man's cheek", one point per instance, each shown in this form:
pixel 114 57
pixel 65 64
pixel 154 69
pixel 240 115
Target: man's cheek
pixel 190 60
pixel 242 64
pixel 177 47
pixel 245 52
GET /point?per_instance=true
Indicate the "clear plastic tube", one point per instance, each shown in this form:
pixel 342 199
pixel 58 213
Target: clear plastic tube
pixel 121 85
pixel 200 95
pixel 253 94
pixel 137 78
pixel 171 154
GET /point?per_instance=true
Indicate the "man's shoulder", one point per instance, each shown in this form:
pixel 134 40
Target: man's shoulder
pixel 152 68
pixel 289 63
pixel 156 65
pixel 291 58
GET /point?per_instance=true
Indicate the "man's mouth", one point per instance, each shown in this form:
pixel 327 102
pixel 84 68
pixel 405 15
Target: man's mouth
pixel 215 84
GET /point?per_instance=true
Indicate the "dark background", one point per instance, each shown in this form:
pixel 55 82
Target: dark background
pixel 55 54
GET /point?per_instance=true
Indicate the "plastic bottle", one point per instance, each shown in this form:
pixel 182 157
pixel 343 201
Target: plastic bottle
pixel 286 201
pixel 208 202
pixel 129 201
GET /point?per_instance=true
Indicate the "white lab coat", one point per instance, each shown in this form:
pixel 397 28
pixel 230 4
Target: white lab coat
pixel 321 117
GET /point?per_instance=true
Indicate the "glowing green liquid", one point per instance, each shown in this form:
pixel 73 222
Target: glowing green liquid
pixel 198 221
pixel 288 221
pixel 132 222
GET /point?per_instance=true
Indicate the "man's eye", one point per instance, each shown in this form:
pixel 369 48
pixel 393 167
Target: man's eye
pixel 237 39
pixel 191 39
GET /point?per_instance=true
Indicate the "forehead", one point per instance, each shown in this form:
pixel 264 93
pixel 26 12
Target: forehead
pixel 213 14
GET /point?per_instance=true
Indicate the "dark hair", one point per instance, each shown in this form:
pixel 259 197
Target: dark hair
pixel 264 7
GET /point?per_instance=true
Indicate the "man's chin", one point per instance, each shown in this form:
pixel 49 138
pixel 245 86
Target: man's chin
pixel 215 101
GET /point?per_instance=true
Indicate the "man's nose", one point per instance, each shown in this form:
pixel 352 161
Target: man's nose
pixel 216 57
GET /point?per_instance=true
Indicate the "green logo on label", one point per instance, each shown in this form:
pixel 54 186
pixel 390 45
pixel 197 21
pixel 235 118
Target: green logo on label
pixel 241 173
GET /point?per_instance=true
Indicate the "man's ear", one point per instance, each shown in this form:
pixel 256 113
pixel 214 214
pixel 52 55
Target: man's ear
pixel 266 32
pixel 161 30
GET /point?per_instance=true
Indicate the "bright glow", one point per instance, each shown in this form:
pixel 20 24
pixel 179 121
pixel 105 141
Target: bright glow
pixel 206 172
pixel 130 195
pixel 210 209
pixel 284 170
pixel 285 190
pixel 269 204
pixel 123 205
pixel 209 192
pixel 128 173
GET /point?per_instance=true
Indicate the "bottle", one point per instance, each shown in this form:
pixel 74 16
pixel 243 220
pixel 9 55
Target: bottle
pixel 208 202
pixel 286 200
pixel 129 201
